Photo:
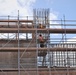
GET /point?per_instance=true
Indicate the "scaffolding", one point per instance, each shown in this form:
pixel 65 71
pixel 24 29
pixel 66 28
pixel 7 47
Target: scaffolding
pixel 20 51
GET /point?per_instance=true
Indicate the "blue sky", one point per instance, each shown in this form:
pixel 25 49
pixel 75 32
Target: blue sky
pixel 57 7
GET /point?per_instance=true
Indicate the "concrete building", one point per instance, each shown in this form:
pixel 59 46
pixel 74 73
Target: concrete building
pixel 20 51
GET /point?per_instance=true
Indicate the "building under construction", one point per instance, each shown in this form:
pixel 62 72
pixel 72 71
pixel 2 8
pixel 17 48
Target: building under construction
pixel 20 51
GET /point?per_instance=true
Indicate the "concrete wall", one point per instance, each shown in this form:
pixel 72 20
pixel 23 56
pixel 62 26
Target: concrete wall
pixel 10 60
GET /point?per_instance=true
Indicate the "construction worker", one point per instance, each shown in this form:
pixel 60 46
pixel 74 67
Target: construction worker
pixel 41 40
pixel 43 53
pixel 40 26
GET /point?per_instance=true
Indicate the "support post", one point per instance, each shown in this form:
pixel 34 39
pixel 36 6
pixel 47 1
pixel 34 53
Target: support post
pixel 18 47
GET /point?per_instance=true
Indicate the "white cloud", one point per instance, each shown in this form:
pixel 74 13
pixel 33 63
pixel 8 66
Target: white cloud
pixel 26 2
pixel 11 7
pixel 72 40
pixel 53 16
pixel 25 7
pixel 53 23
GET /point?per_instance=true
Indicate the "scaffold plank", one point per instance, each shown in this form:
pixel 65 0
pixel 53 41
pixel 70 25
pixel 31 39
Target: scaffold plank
pixel 30 49
pixel 15 41
pixel 32 30
pixel 15 20
pixel 42 71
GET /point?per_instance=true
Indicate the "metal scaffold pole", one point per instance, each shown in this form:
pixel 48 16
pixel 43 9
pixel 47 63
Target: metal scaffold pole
pixel 36 39
pixel 66 45
pixel 18 47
